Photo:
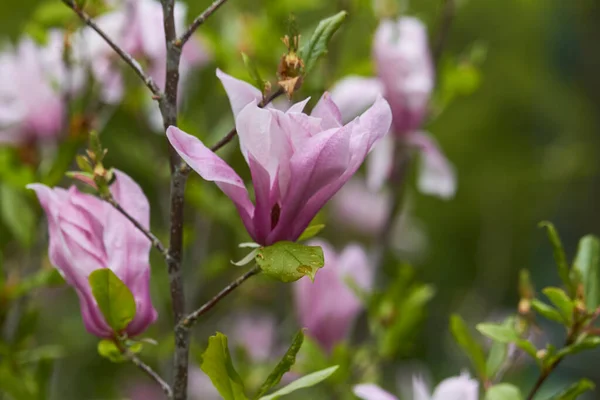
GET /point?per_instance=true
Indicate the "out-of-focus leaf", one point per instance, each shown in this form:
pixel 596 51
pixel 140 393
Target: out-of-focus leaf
pixel 582 343
pixel 304 382
pixel 503 391
pixel 113 297
pixel 43 278
pixel 507 334
pixel 547 311
pixel 109 349
pixel 217 364
pixel 284 365
pixel 288 261
pixel 559 255
pixel 52 13
pixel 17 214
pixel 587 262
pixel 15 385
pixel 575 390
pixel 561 301
pixel 317 45
pixel 498 352
pixel 465 340
pixel 253 72
pixel 311 232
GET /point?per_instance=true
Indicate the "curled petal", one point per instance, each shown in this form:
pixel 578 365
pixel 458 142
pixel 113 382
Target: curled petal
pixel 240 93
pixel 328 111
pixel 379 163
pixel 368 391
pixel 354 94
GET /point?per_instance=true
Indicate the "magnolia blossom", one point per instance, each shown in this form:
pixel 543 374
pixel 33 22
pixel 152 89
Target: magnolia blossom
pixel 31 96
pixel 297 161
pixel 405 79
pixel 458 388
pixel 255 333
pixel 87 234
pixel 328 306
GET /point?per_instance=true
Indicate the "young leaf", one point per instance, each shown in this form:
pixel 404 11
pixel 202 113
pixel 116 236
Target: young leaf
pixel 575 390
pixel 317 45
pixel 561 301
pixel 216 363
pixel 288 261
pixel 253 72
pixel 503 391
pixel 311 231
pixel 283 366
pixel 113 297
pixel 17 214
pixel 559 254
pixel 463 337
pixel 499 333
pixel 108 349
pixel 547 311
pixel 247 259
pixel 587 262
pixel 304 382
pixel 498 352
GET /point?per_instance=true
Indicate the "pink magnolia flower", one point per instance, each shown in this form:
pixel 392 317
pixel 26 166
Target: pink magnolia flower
pixel 87 234
pixel 458 388
pixel 297 161
pixel 328 306
pixel 405 79
pixel 31 102
pixel 256 334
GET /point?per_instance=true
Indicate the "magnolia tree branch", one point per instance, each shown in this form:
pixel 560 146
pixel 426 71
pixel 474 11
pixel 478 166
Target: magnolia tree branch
pixel 128 58
pixel 191 319
pixel 199 21
pixel 446 19
pixel 229 137
pixel 152 374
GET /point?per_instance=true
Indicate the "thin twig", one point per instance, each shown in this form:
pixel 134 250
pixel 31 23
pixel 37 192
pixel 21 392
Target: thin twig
pixel 229 137
pixel 446 18
pixel 199 21
pixel 153 239
pixel 128 58
pixel 189 321
pixel 151 373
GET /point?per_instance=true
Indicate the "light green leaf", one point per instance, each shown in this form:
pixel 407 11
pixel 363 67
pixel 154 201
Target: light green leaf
pixel 587 262
pixel 304 382
pixel 283 366
pixel 559 255
pixel 17 214
pixel 317 45
pixel 547 311
pixel 109 349
pixel 503 391
pixel 288 261
pixel 247 259
pixel 575 390
pixel 113 297
pixel 582 343
pixel 561 301
pixel 499 333
pixel 253 72
pixel 465 340
pixel 528 348
pixel 217 364
pixel 42 278
pixel 311 232
pixel 498 352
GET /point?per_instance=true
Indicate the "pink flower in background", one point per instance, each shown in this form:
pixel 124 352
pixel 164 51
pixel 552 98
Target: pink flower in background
pixel 458 388
pixel 328 306
pixel 256 334
pixel 405 79
pixel 297 161
pixel 87 234
pixel 31 95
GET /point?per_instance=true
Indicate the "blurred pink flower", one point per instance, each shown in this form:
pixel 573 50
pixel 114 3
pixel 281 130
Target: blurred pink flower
pixel 297 161
pixel 87 234
pixel 31 96
pixel 328 306
pixel 256 334
pixel 458 388
pixel 406 79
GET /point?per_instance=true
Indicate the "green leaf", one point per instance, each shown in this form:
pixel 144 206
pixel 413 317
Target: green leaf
pixel 465 340
pixel 247 259
pixel 547 311
pixel 113 297
pixel 587 262
pixel 311 231
pixel 317 45
pixel 52 13
pixel 109 349
pixel 217 364
pixel 562 302
pixel 283 366
pixel 575 390
pixel 582 343
pixel 253 72
pixel 528 348
pixel 498 352
pixel 43 278
pixel 17 214
pixel 304 382
pixel 288 261
pixel 503 391
pixel 559 254
pixel 499 333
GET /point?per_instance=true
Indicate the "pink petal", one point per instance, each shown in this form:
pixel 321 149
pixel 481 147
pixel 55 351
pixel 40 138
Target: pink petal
pixel 420 389
pixel 458 388
pixel 372 392
pixel 328 111
pixel 240 93
pixel 354 94
pixel 380 163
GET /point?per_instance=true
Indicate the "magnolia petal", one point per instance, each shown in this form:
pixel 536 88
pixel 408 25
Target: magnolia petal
pixel 354 265
pixel 462 387
pixel 354 94
pixel 328 111
pixel 379 163
pixel 420 389
pixel 368 391
pixel 240 93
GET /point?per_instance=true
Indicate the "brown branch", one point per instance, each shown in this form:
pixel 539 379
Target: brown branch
pixel 229 137
pixel 446 19
pixel 151 373
pixel 199 21
pixel 137 68
pixel 189 321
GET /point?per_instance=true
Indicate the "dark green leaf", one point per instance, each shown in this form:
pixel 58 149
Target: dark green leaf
pixel 288 261
pixel 547 311
pixel 304 382
pixel 463 337
pixel 503 391
pixel 311 231
pixel 113 297
pixel 217 364
pixel 561 301
pixel 587 262
pixel 283 366
pixel 17 214
pixel 575 390
pixel 559 254
pixel 109 349
pixel 317 45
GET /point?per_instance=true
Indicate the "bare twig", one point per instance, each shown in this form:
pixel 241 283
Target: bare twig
pixel 137 68
pixel 151 373
pixel 189 321
pixel 446 19
pixel 199 21
pixel 229 137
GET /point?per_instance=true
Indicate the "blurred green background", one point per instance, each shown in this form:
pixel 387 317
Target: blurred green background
pixel 520 124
